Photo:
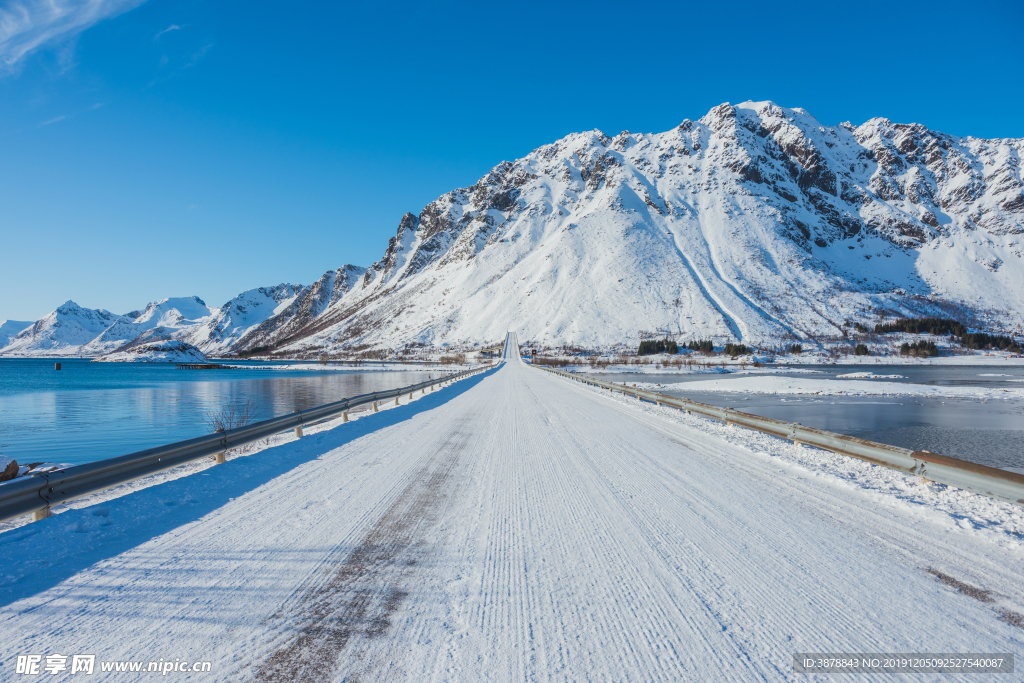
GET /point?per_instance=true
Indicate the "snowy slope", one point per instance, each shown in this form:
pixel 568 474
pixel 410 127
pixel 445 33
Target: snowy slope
pixel 9 329
pixel 239 316
pixel 163 351
pixel 303 313
pixel 755 223
pixel 170 317
pixel 71 330
pixel 63 332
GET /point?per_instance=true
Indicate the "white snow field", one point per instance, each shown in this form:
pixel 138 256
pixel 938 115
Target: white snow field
pixel 838 387
pixel 517 526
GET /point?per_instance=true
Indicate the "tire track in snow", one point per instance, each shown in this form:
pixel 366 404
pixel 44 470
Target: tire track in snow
pixel 876 531
pixel 359 598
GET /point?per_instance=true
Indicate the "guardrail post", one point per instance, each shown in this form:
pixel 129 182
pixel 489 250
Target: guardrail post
pixel 218 458
pixel 344 416
pixel 41 514
pixel 375 406
pixel 396 399
pixel 298 430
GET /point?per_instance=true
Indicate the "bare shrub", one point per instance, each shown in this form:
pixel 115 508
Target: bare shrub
pixel 553 362
pixel 453 359
pixel 234 416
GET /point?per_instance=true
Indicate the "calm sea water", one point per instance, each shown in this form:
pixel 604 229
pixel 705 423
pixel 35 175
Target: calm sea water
pixel 987 432
pixel 88 411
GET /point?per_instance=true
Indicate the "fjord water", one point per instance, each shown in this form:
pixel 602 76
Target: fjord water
pixel 88 411
pixel 986 431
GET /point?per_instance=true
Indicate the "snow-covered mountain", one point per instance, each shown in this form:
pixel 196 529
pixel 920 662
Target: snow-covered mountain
pixel 9 329
pixel 240 316
pixel 305 313
pixel 75 331
pixel 63 332
pixel 755 223
pixel 166 318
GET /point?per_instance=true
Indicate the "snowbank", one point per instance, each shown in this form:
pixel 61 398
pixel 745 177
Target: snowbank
pixel 842 387
pixel 10 469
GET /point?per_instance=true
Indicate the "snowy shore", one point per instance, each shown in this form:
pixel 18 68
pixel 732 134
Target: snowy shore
pixel 162 351
pixel 695 363
pixel 837 386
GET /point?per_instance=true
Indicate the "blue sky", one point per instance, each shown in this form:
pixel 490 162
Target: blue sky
pixel 157 148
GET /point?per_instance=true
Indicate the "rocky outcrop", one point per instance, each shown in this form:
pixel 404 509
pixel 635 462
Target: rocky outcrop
pixel 162 351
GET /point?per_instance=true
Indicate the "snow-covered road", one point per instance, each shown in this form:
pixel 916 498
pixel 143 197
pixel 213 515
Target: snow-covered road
pixel 513 527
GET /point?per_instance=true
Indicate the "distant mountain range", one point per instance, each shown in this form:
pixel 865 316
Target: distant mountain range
pixel 756 224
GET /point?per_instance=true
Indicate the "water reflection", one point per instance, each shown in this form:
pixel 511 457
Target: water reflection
pixel 88 411
pixel 990 433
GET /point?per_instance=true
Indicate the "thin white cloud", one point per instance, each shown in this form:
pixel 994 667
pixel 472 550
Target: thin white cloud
pixel 55 119
pixel 26 25
pixel 197 56
pixel 172 27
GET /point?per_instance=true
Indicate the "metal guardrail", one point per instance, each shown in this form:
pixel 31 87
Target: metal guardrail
pixel 989 481
pixel 37 493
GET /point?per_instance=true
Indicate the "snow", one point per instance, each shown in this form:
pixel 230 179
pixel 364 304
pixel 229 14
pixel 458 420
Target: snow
pixel 167 318
pixel 240 316
pixel 845 387
pixel 165 351
pixel 997 358
pixel 61 333
pixel 174 312
pixel 9 329
pixel 518 526
pixel 20 470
